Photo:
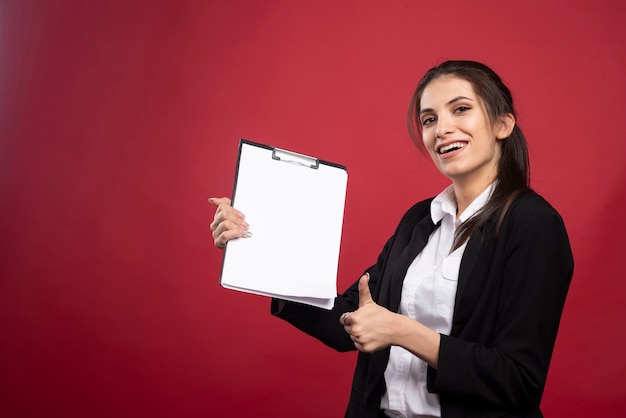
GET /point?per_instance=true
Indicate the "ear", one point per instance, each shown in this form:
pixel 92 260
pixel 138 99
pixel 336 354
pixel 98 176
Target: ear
pixel 505 126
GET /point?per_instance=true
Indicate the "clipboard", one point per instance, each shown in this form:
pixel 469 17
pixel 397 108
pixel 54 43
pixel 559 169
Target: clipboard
pixel 294 204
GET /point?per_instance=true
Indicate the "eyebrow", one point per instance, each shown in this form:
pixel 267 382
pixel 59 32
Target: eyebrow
pixel 456 99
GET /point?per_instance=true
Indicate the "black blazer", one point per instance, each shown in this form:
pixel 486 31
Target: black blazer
pixel 509 300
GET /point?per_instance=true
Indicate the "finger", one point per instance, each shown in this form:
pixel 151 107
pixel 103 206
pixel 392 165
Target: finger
pixel 224 213
pixel 227 227
pixel 228 218
pixel 226 231
pixel 365 296
pixel 221 240
pixel 344 318
pixel 359 345
pixel 363 348
pixel 224 204
pixel 216 201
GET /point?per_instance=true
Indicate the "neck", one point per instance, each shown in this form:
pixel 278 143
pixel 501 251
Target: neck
pixel 466 192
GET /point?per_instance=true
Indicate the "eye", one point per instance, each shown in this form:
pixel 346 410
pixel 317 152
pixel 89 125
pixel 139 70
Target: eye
pixel 427 121
pixel 462 109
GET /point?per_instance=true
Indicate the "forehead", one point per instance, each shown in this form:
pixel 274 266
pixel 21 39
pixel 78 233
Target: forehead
pixel 443 89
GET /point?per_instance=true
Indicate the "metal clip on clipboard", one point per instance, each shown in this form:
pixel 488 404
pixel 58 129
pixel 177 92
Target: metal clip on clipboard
pixel 295 158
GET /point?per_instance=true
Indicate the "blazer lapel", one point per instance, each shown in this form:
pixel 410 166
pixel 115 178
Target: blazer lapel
pixel 477 243
pixel 472 250
pixel 418 241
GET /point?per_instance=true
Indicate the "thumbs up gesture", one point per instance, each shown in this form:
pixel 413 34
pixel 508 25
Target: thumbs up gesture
pixel 370 326
pixel 373 328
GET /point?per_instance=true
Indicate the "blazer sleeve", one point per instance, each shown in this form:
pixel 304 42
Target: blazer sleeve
pixel 508 368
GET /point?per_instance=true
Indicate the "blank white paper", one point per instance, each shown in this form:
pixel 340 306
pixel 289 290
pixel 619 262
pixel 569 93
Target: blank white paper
pixel 295 214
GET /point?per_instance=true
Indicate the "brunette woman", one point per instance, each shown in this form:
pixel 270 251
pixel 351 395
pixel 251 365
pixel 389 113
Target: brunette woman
pixel 459 314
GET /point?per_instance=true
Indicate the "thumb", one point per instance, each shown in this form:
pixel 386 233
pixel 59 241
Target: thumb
pixel 365 296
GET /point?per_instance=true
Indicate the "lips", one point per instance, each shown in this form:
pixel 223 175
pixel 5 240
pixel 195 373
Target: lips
pixel 452 146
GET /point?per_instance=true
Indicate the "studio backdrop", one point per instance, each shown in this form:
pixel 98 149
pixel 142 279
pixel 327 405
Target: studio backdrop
pixel 118 119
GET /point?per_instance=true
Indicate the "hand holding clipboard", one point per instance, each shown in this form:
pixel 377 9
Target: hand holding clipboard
pixel 306 193
pixel 228 223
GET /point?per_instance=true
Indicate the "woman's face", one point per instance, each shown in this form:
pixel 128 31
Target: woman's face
pixel 457 132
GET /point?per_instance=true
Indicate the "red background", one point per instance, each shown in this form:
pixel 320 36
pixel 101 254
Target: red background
pixel 118 119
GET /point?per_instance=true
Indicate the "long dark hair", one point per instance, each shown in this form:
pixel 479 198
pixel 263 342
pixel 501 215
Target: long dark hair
pixel 513 176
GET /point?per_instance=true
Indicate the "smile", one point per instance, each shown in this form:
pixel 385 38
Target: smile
pixel 451 147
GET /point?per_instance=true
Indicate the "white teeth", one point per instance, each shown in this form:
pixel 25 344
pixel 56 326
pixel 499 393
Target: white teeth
pixel 451 147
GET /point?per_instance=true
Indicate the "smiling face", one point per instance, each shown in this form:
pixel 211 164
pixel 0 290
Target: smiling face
pixel 457 132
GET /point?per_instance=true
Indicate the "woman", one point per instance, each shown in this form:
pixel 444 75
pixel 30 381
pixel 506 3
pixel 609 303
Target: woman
pixel 459 315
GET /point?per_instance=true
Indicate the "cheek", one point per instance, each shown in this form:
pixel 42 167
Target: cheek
pixel 428 139
pixel 428 142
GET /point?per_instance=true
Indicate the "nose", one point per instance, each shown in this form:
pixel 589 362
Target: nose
pixel 445 126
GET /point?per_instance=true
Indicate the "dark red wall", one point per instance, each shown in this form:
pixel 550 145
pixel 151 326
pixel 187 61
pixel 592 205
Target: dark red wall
pixel 118 119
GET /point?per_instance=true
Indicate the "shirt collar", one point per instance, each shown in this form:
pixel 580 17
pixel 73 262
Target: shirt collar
pixel 445 204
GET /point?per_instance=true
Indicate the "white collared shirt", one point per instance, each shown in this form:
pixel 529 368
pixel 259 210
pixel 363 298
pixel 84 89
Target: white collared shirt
pixel 428 294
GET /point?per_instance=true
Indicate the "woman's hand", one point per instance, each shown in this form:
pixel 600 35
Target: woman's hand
pixel 373 328
pixel 228 222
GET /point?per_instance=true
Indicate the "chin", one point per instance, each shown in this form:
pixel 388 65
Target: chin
pixel 451 172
